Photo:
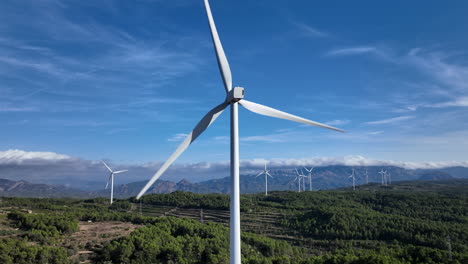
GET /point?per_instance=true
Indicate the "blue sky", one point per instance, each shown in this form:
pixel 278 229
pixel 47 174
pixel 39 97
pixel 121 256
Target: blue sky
pixel 124 80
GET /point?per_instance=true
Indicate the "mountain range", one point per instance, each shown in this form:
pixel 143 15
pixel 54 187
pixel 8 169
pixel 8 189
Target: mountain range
pixel 330 177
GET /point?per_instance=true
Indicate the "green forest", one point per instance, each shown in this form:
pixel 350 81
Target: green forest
pixel 412 222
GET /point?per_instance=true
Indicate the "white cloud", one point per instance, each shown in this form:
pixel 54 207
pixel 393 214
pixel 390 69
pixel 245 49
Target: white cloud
pixel 54 168
pixel 15 156
pixel 389 120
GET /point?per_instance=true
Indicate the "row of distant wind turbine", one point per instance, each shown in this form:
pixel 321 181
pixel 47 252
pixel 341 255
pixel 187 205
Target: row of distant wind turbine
pixel 300 178
pixel 386 177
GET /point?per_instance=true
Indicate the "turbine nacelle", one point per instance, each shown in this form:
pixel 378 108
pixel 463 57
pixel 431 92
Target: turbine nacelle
pixel 235 95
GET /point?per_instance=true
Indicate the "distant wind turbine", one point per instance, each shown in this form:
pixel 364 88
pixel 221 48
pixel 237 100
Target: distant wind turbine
pixel 354 179
pixel 310 177
pixel 267 174
pixel 382 172
pixel 234 97
pixel 111 179
pixel 298 178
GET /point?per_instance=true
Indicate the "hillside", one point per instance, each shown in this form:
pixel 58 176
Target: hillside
pixel 409 222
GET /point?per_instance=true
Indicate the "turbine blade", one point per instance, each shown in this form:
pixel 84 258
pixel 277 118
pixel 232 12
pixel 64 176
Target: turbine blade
pixel 220 56
pixel 204 123
pixel 106 166
pixel 108 180
pixel 115 172
pixel 269 174
pixel 259 174
pixel 268 111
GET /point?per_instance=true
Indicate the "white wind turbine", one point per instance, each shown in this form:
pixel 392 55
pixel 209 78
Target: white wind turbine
pixel 310 177
pixel 382 173
pixel 299 177
pixel 267 174
pixel 111 179
pixel 354 180
pixel 234 97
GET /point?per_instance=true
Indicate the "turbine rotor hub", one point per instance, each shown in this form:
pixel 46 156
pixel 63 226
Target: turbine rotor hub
pixel 235 95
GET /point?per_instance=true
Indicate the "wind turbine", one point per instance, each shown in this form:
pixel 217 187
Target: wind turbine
pixel 267 174
pixel 298 179
pixel 310 177
pixel 111 179
pixel 354 179
pixel 382 172
pixel 234 97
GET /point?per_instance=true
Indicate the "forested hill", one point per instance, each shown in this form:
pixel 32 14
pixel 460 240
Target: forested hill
pixel 406 223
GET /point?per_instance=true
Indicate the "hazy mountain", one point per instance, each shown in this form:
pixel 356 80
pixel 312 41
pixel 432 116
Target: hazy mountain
pixel 323 178
pixel 436 176
pixel 330 177
pixel 25 189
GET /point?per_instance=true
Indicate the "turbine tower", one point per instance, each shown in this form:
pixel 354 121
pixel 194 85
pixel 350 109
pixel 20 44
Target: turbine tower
pixel 267 174
pixel 303 180
pixel 111 179
pixel 354 180
pixel 389 178
pixel 234 97
pixel 298 179
pixel 310 177
pixel 367 177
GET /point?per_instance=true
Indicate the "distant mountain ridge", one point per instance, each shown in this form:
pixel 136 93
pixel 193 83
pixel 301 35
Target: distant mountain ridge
pixel 22 188
pixel 330 177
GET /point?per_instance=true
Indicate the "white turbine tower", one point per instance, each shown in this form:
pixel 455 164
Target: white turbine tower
pixel 111 179
pixel 354 180
pixel 303 180
pixel 389 178
pixel 310 177
pixel 267 174
pixel 234 97
pixel 367 177
pixel 382 173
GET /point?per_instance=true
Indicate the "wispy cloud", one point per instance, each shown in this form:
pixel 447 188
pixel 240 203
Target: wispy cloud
pixel 310 31
pixel 389 120
pixel 353 51
pixel 459 102
pixel 437 65
pixel 338 122
pixel 375 132
pixel 10 108
pixel 177 137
